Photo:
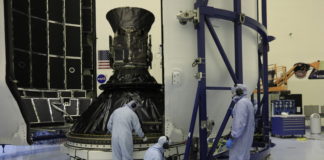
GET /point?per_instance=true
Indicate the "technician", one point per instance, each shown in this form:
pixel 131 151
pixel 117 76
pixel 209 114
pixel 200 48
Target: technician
pixel 243 124
pixel 121 124
pixel 156 151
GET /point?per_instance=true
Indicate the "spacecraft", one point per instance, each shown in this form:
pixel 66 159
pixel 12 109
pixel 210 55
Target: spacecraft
pixel 131 58
pixel 50 70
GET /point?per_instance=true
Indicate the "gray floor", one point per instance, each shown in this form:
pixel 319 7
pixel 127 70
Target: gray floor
pixel 33 152
pixel 309 148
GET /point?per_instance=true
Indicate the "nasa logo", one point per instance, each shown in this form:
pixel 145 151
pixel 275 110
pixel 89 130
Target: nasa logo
pixel 101 78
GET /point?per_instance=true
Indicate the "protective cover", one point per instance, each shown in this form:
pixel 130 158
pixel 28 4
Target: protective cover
pixel 126 18
pixel 130 46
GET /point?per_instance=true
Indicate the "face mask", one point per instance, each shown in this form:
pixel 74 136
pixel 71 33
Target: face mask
pixel 166 144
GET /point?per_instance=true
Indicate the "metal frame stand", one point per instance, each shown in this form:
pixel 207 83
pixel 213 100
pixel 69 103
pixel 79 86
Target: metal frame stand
pixel 204 13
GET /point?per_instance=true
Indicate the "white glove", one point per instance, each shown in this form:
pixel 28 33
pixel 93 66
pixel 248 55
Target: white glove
pixel 145 139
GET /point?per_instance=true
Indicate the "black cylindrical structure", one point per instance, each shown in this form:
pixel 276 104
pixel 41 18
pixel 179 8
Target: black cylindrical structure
pixel 131 57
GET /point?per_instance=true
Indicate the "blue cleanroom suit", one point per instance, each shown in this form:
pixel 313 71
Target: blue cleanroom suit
pixel 242 126
pixel 121 123
pixel 156 151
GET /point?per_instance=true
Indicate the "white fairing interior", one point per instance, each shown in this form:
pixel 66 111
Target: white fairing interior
pixel 12 124
pixel 180 50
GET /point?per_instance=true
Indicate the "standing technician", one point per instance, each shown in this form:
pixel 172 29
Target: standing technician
pixel 243 124
pixel 121 124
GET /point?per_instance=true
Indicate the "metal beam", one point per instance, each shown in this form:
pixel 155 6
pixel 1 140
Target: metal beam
pixel 192 125
pixel 238 43
pixel 202 86
pixel 221 130
pixel 231 16
pixel 264 13
pixel 265 109
pixel 218 88
pixel 221 50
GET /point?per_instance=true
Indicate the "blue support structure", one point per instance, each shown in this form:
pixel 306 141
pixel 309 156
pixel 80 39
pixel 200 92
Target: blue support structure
pixel 221 50
pixel 239 19
pixel 221 130
pixel 238 43
pixel 265 110
pixel 192 125
pixel 218 88
pixel 202 88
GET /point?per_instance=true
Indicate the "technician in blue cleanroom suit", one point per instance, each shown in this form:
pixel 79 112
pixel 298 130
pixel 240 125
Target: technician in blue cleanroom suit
pixel 121 124
pixel 156 151
pixel 242 131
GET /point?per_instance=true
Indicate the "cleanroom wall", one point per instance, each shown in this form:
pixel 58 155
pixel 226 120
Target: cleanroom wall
pixel 299 29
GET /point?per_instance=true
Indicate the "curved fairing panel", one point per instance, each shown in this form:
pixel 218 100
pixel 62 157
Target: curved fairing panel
pixel 13 127
pixel 180 50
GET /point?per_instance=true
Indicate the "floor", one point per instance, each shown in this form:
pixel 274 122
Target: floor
pixel 33 152
pixel 309 148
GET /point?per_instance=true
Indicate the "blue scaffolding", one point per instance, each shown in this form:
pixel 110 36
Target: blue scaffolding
pixel 205 13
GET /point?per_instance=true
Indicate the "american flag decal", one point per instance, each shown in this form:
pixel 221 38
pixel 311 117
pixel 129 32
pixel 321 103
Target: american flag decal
pixel 103 60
